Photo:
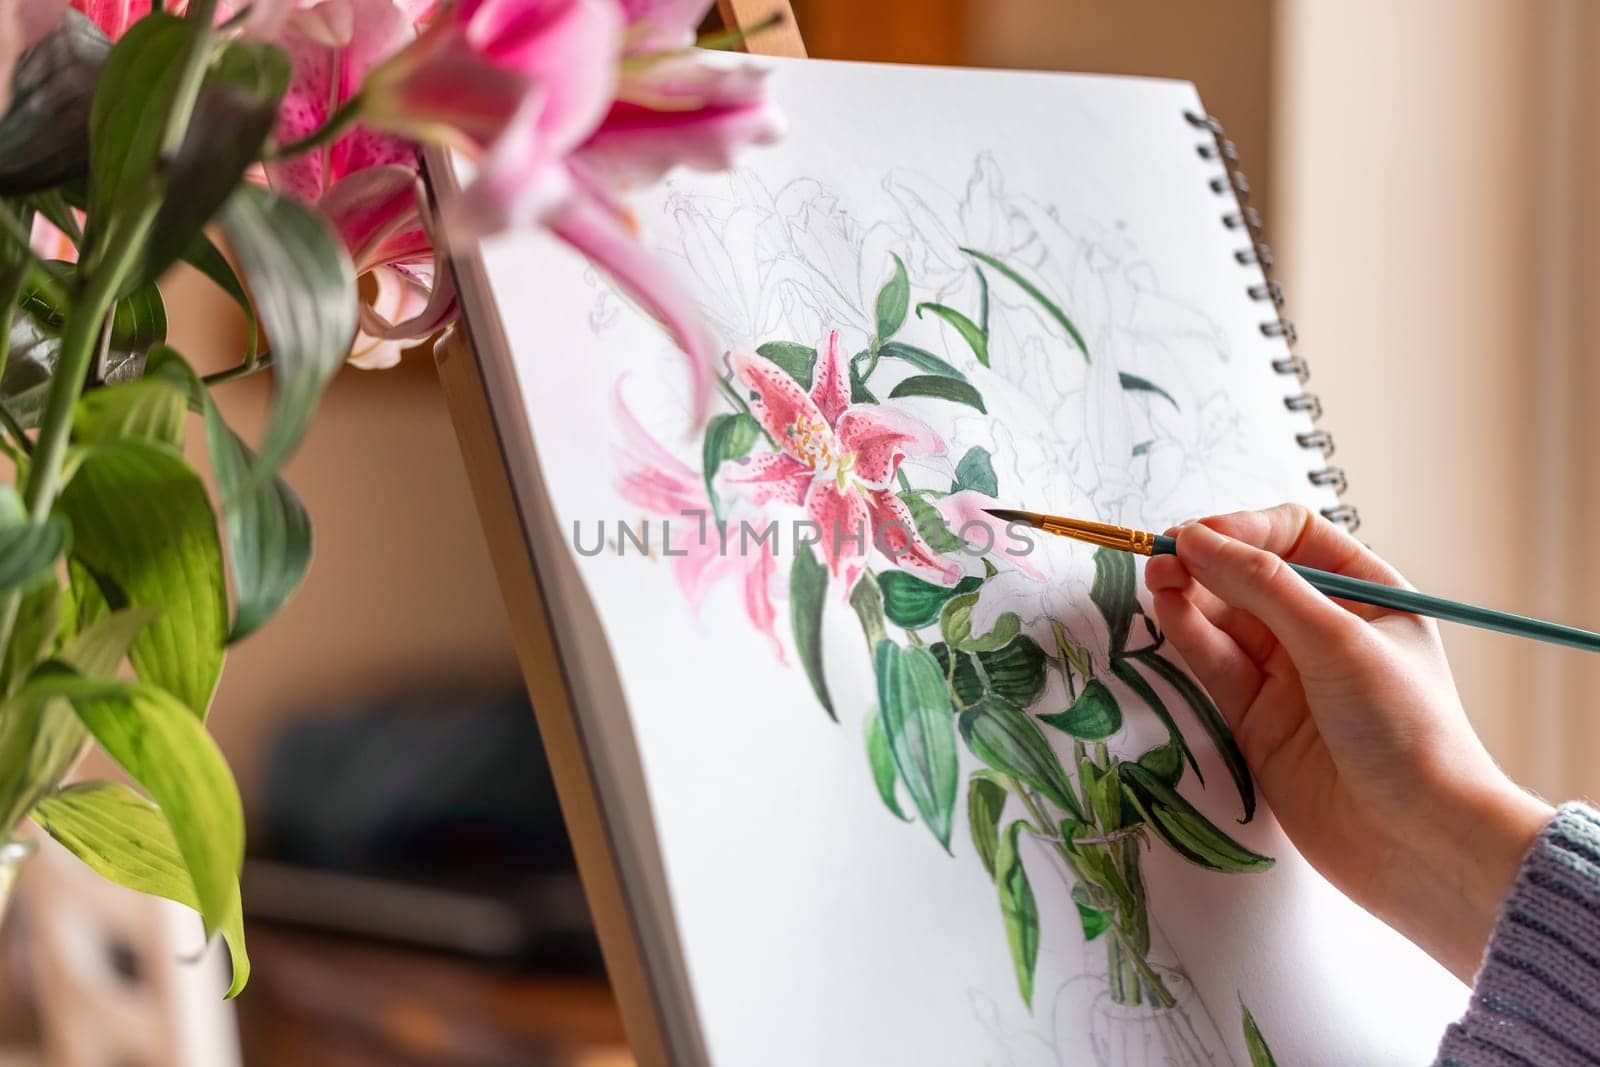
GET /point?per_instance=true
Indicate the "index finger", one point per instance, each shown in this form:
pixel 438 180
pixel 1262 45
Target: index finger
pixel 1296 533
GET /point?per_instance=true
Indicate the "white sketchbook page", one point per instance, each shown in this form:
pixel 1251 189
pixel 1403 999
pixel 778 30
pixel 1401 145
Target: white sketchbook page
pixel 817 926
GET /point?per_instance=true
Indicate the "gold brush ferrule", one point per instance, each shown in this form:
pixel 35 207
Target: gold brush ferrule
pixel 1101 533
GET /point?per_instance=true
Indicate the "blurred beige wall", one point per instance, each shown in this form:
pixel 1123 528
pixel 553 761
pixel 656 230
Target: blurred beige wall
pixel 1431 162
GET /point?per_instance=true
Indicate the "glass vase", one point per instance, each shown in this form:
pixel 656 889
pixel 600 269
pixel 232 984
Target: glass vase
pixel 14 852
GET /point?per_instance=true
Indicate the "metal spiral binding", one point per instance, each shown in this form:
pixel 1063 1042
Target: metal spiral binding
pixel 1244 219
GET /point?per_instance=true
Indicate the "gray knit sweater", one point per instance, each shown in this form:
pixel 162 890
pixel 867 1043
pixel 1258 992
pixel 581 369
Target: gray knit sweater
pixel 1537 998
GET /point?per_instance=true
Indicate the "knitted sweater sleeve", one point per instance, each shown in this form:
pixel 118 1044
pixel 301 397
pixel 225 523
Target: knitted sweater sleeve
pixel 1537 998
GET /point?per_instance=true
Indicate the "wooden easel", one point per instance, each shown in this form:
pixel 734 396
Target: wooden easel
pixel 484 447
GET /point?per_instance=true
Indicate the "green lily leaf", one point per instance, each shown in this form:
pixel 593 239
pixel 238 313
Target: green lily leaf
pixel 808 586
pixel 986 802
pixel 127 120
pixel 1254 1043
pixel 1135 384
pixel 1007 739
pixel 867 600
pixel 152 408
pixel 143 527
pixel 1165 762
pixel 919 358
pixel 44 134
pixel 1180 825
pixel 206 258
pixel 1015 673
pixel 970 331
pixel 910 602
pixel 28 550
pixel 1050 307
pixel 976 472
pixel 727 437
pixel 234 114
pixel 305 293
pixel 1114 592
pixel 1211 720
pixel 914 704
pixel 939 388
pixel 125 839
pixel 1095 920
pixel 884 776
pixel 1018 910
pixel 955 623
pixel 41 739
pixel 893 299
pixel 930 524
pixel 163 746
pixel 794 359
pixel 1094 716
pixel 1129 676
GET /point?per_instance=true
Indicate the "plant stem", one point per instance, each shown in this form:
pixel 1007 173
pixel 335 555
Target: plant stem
pixel 233 374
pixel 337 123
pixel 203 14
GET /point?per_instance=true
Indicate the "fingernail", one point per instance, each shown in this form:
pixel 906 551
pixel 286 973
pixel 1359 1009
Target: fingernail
pixel 1201 545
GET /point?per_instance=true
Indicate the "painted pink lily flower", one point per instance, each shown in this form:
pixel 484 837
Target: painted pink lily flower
pixel 563 104
pixel 654 479
pixel 837 460
pixel 966 514
pixel 367 184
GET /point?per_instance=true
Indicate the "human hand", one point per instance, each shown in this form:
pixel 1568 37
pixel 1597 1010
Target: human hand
pixel 1349 718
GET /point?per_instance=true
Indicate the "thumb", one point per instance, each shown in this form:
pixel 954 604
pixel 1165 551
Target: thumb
pixel 1317 633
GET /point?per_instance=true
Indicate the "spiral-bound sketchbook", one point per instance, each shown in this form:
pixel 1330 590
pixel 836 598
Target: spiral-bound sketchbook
pixel 855 775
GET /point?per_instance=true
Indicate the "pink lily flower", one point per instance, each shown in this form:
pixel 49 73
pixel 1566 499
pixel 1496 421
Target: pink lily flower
pixel 366 184
pixel 564 103
pixel 657 481
pixel 837 461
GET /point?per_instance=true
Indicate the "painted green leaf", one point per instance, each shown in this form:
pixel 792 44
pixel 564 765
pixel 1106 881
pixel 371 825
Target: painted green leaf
pixel 1211 720
pixel 235 112
pixel 1129 676
pixel 939 388
pixel 1101 867
pixel 1006 738
pixel 867 600
pixel 1254 1043
pixel 808 587
pixel 44 137
pixel 1135 384
pixel 127 120
pixel 1165 762
pixel 728 436
pixel 986 802
pixel 28 550
pixel 1094 716
pixel 269 532
pixel 1181 826
pixel 143 526
pixel 1018 910
pixel 1095 920
pixel 125 839
pixel 1102 793
pixel 1050 307
pixel 859 393
pixel 1015 672
pixel 305 293
pixel 955 623
pixel 930 524
pixel 165 749
pixel 796 360
pixel 913 603
pixel 914 703
pixel 976 472
pixel 919 358
pixel 983 299
pixel 882 762
pixel 1114 592
pixel 970 331
pixel 893 299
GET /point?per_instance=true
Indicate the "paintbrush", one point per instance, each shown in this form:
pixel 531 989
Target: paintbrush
pixel 1144 543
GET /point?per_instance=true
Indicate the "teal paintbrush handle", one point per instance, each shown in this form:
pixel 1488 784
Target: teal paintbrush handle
pixel 1387 596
